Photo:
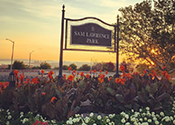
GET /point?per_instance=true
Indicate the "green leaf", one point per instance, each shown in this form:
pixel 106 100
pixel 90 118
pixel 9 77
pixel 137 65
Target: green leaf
pixel 73 112
pixel 110 90
pixel 151 101
pixel 157 106
pixel 137 85
pixel 82 84
pixel 50 110
pixel 58 93
pixel 154 88
pixel 147 88
pixel 119 97
pixel 129 106
pixel 121 107
pixel 136 106
pixel 59 104
pixel 141 97
pixel 162 96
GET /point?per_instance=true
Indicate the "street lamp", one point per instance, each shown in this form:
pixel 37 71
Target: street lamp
pixel 30 57
pixel 12 53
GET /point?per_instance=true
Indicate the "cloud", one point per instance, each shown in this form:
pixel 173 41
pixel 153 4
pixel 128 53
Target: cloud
pixel 111 3
pixel 42 9
pixel 117 3
pixel 107 15
pixel 50 10
pixel 34 15
pixel 30 9
pixel 74 12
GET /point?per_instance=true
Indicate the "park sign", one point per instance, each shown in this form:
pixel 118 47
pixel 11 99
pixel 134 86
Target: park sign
pixel 91 34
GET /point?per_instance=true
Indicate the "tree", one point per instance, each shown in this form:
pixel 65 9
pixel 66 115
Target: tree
pixel 85 67
pixel 36 67
pixel 129 67
pixel 65 67
pixel 56 67
pixel 45 65
pixel 148 33
pixel 141 67
pixel 18 65
pixel 109 66
pixel 97 66
pixel 73 66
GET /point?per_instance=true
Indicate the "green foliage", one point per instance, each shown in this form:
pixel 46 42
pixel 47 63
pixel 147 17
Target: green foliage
pixel 104 66
pixel 85 67
pixel 65 67
pixel 14 118
pixel 10 117
pixel 137 93
pixel 97 66
pixel 147 32
pixel 143 116
pixel 109 66
pixel 36 67
pixel 45 65
pixel 73 66
pixel 56 67
pixel 84 95
pixel 19 65
pixel 141 67
pixel 129 67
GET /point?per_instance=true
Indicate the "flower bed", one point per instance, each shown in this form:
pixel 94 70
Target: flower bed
pixel 63 99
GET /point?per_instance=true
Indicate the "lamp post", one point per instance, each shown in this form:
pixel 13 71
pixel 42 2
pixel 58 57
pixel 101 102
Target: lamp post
pixel 11 79
pixel 12 53
pixel 30 57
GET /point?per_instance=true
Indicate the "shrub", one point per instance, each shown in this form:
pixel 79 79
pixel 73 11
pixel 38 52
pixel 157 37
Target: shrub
pixel 81 93
pixel 45 65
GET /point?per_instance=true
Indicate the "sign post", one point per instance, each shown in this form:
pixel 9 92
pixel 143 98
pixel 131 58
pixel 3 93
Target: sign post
pixel 89 34
pixel 61 44
pixel 117 51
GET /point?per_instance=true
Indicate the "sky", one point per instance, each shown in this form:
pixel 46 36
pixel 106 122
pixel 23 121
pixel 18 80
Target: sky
pixel 35 25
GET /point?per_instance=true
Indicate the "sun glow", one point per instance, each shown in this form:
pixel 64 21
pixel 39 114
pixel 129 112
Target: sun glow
pixel 152 63
pixel 153 51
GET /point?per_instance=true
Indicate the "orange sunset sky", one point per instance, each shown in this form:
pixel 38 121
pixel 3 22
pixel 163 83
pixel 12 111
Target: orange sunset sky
pixel 36 25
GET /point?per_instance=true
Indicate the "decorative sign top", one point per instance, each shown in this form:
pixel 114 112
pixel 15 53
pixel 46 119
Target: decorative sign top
pixel 91 34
